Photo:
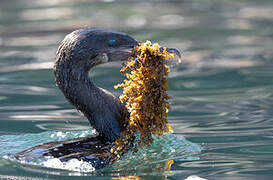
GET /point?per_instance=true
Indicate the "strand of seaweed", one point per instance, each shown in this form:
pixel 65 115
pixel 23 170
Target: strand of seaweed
pixel 145 96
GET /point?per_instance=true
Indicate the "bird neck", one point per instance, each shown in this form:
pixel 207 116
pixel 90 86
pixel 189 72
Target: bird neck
pixel 104 111
pixel 76 87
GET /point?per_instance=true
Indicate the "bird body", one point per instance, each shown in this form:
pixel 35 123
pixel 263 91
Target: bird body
pixel 80 51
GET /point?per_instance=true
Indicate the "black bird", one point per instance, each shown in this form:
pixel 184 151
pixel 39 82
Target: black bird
pixel 78 53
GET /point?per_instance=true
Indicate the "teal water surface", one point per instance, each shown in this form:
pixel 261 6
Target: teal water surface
pixel 222 110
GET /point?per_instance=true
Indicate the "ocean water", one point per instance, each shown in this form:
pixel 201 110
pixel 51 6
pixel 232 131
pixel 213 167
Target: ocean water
pixel 222 110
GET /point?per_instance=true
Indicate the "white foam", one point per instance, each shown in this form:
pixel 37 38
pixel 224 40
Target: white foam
pixel 72 165
pixel 60 134
pixel 194 177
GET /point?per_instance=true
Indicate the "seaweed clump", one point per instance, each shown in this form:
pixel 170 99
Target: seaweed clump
pixel 145 95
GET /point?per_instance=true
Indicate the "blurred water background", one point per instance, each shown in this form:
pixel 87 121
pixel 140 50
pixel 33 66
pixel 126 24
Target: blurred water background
pixel 222 92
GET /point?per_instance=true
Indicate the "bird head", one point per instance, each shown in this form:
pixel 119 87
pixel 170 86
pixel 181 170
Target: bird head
pixel 85 48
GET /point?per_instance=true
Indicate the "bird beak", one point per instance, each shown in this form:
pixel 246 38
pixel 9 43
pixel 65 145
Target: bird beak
pixel 121 53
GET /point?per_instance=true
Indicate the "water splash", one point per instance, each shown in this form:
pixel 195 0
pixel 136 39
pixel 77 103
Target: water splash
pixel 72 165
pixel 160 154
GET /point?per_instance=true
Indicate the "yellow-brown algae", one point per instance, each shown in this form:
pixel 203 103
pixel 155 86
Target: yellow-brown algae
pixel 145 95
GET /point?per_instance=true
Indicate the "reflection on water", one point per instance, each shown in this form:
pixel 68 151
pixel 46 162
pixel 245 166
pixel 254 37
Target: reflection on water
pixel 222 92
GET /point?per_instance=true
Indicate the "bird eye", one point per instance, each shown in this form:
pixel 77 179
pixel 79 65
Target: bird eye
pixel 112 42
